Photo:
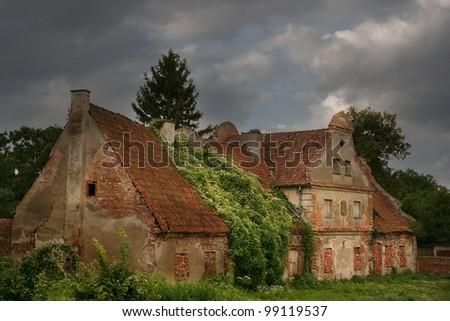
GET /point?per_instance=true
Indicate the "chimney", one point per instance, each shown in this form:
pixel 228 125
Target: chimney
pixel 252 140
pixel 167 131
pixel 79 103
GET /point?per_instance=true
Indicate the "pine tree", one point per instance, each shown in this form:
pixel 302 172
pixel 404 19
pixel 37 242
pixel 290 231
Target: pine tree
pixel 168 94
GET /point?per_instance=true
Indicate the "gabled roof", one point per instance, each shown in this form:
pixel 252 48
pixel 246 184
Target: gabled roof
pixel 170 197
pixel 388 216
pixel 290 154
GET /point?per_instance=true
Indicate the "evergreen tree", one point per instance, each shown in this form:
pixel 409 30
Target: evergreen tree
pixel 168 94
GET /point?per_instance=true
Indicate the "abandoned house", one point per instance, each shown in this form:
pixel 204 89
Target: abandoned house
pixel 92 185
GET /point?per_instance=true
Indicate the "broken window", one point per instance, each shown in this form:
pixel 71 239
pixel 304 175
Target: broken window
pixel 328 213
pixel 92 189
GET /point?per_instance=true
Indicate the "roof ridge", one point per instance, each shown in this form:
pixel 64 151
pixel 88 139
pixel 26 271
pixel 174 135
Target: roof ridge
pixel 297 131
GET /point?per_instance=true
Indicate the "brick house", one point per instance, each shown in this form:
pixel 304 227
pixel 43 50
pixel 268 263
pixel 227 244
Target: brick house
pixel 358 226
pixel 97 180
pixel 107 171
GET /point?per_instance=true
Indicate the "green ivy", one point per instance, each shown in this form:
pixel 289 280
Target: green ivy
pixel 260 222
pixel 308 244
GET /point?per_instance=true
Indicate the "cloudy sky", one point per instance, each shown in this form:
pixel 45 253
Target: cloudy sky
pixel 275 65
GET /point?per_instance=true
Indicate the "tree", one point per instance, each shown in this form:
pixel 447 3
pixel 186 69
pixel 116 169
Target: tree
pixel 378 139
pixel 23 154
pixel 427 201
pixel 168 94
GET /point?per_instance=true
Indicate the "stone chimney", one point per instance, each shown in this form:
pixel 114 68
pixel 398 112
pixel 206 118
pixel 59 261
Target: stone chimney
pixel 167 131
pixel 79 103
pixel 252 140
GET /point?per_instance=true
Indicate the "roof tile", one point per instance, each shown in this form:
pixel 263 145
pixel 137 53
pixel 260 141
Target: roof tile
pixel 170 197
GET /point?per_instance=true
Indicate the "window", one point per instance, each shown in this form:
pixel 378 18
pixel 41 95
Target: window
pixel 328 260
pixel 343 208
pixel 357 261
pixel 328 213
pixel 348 169
pixel 181 266
pixel 92 189
pixel 357 209
pixel 210 262
pixel 402 256
pixel 389 257
pixel 336 166
pixel 293 263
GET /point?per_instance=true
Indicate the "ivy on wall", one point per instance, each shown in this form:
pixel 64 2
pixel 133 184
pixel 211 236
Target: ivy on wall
pixel 260 221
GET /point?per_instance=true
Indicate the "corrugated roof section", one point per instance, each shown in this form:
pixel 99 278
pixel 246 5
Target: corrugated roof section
pixel 171 198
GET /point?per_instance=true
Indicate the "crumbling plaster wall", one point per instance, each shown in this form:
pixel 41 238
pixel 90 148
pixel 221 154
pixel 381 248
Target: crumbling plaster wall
pixel 342 255
pixel 194 247
pixel 117 204
pixel 394 251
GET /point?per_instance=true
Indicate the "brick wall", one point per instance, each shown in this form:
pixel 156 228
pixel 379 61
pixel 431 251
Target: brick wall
pixel 5 236
pixel 435 265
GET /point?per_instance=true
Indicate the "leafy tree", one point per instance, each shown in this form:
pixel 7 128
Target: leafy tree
pixel 169 93
pixel 378 139
pixel 23 154
pixel 427 201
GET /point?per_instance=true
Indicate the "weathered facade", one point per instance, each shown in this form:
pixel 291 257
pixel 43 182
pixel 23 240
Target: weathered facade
pixel 98 180
pixel 107 172
pixel 333 189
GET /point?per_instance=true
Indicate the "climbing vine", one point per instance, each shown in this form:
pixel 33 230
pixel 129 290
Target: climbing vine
pixel 308 246
pixel 260 221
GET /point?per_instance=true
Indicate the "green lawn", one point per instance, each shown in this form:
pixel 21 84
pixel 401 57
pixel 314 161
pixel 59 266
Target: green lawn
pixel 403 287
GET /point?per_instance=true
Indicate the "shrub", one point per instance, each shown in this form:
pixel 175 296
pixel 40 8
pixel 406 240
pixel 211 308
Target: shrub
pixel 50 262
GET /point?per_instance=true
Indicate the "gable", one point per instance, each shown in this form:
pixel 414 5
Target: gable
pixel 170 197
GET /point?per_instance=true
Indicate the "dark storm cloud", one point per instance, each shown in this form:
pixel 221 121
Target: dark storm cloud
pixel 274 64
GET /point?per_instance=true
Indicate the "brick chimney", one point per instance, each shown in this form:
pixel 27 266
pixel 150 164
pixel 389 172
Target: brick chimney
pixel 79 103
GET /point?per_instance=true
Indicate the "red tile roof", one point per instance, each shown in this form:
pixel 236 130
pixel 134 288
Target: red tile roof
pixel 170 197
pixel 388 216
pixel 285 153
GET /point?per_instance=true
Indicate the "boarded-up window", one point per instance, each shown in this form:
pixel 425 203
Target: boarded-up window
pixel 181 266
pixel 328 260
pixel 357 209
pixel 210 262
pixel 389 256
pixel 402 256
pixel 328 213
pixel 357 261
pixel 378 259
pixel 293 263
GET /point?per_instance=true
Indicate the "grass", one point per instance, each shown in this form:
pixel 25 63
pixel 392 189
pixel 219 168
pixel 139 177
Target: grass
pixel 401 287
